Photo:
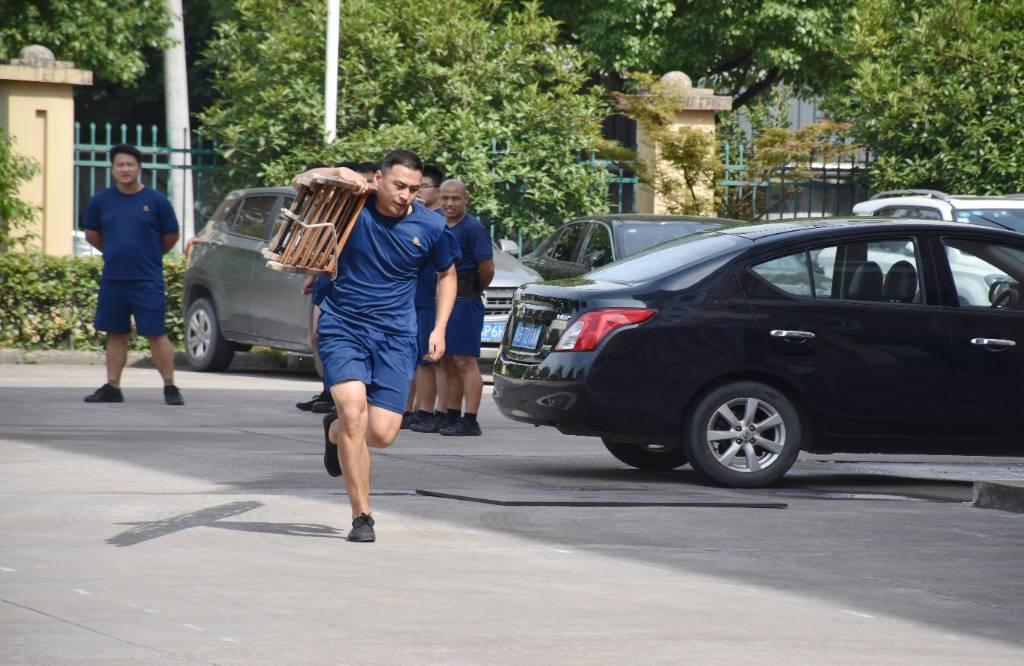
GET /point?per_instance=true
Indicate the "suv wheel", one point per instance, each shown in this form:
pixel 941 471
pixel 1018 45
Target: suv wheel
pixel 205 346
pixel 650 458
pixel 743 435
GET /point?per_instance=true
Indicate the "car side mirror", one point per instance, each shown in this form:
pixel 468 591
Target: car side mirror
pixel 1004 294
pixel 509 246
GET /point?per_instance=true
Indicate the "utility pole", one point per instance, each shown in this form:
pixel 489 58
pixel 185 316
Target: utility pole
pixel 331 73
pixel 178 129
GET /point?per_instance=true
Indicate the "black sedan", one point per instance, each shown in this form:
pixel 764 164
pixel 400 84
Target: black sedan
pixel 734 350
pixel 589 242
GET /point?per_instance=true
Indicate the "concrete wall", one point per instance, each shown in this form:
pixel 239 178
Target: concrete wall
pixel 37 108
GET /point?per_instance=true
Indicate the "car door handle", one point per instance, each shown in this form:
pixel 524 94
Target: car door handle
pixel 994 343
pixel 796 336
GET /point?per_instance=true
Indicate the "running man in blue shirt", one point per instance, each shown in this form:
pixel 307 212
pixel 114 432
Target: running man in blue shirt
pixel 462 343
pixel 133 226
pixel 367 326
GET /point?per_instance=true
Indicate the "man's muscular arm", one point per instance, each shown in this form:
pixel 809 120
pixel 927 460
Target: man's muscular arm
pixel 94 238
pixel 341 173
pixel 447 283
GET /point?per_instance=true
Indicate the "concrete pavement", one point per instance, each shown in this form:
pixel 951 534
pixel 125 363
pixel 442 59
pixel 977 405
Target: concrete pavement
pixel 147 534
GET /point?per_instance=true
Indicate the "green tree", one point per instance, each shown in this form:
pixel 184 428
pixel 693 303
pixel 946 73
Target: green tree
pixel 936 93
pixel 106 36
pixel 493 99
pixel 14 213
pixel 740 47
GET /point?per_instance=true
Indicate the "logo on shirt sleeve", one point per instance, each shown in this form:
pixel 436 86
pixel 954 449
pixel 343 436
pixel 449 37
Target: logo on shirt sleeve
pixel 145 208
pixel 416 241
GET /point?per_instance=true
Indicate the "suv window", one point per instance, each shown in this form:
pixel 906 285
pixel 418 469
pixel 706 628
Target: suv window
pixel 883 271
pixel 251 219
pixel 986 275
pixel 913 212
pixel 597 250
pixel 999 218
pixel 564 248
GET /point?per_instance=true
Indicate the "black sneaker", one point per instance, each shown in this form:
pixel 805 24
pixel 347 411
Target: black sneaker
pixel 308 405
pixel 324 406
pixel 331 463
pixel 461 428
pixel 428 423
pixel 105 393
pixel 362 529
pixel 172 396
pixel 407 419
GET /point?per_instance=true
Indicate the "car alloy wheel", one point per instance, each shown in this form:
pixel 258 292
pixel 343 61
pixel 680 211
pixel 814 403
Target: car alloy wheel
pixel 743 434
pixel 205 346
pixel 746 435
pixel 199 333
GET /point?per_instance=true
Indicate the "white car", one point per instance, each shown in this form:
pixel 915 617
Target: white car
pixel 980 281
pixel 1006 212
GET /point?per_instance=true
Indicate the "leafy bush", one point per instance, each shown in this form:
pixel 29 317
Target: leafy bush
pixel 15 214
pixel 49 302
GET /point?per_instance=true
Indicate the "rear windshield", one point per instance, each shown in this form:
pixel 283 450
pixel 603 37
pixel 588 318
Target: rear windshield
pixel 639 237
pixel 669 257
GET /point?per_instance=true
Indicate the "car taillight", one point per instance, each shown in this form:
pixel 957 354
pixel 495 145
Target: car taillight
pixel 588 331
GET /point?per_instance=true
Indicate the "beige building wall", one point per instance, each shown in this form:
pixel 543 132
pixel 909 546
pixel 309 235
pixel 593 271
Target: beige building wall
pixel 698 112
pixel 37 109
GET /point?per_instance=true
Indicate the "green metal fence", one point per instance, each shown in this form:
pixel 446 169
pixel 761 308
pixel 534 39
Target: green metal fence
pixel 833 188
pixel 92 164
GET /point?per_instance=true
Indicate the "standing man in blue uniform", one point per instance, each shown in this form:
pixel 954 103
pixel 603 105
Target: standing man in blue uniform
pixel 367 326
pixel 133 226
pixel 462 343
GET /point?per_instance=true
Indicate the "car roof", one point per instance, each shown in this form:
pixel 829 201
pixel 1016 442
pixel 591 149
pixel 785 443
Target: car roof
pixel 789 229
pixel 633 218
pixel 264 190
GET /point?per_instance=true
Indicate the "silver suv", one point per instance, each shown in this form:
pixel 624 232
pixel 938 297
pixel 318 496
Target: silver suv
pixel 232 301
pixel 1005 212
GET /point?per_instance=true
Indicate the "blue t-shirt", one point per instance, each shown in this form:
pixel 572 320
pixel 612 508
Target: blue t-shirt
pixel 132 227
pixel 377 270
pixel 474 243
pixel 426 281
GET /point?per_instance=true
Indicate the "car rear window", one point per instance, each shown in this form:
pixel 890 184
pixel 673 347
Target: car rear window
pixel 668 257
pixel 639 237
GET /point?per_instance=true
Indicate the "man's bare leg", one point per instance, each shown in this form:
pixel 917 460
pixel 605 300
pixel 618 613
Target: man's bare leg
pixel 472 381
pixel 117 356
pixel 358 427
pixel 441 381
pixel 426 388
pixel 454 394
pixel 163 356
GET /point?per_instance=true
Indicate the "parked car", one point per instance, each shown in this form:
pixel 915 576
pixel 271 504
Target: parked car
pixel 1006 212
pixel 589 242
pixel 232 300
pixel 735 349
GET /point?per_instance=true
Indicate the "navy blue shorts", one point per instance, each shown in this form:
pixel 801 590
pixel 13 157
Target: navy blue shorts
pixel 382 361
pixel 120 300
pixel 462 337
pixel 425 317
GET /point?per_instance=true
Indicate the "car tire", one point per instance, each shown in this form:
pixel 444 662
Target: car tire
pixel 648 458
pixel 744 458
pixel 205 346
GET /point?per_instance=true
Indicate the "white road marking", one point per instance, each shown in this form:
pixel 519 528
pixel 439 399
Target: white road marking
pixel 741 588
pixel 193 627
pixel 228 640
pixel 81 591
pixel 144 609
pixel 856 614
pixel 561 550
pixel 8 569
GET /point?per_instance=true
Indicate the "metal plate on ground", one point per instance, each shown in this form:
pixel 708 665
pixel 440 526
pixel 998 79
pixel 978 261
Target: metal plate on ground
pixel 600 498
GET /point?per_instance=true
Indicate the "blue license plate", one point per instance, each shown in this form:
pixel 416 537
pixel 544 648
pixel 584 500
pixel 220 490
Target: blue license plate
pixel 492 331
pixel 526 336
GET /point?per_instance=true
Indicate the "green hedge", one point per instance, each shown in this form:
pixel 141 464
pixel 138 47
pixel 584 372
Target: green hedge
pixel 49 302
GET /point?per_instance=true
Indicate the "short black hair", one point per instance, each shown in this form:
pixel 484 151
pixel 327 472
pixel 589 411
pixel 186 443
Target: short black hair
pixel 366 167
pixel 433 172
pixel 127 150
pixel 406 158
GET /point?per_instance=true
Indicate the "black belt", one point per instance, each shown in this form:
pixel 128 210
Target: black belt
pixel 468 284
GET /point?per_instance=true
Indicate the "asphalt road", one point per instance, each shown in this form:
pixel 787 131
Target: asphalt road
pixel 141 533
